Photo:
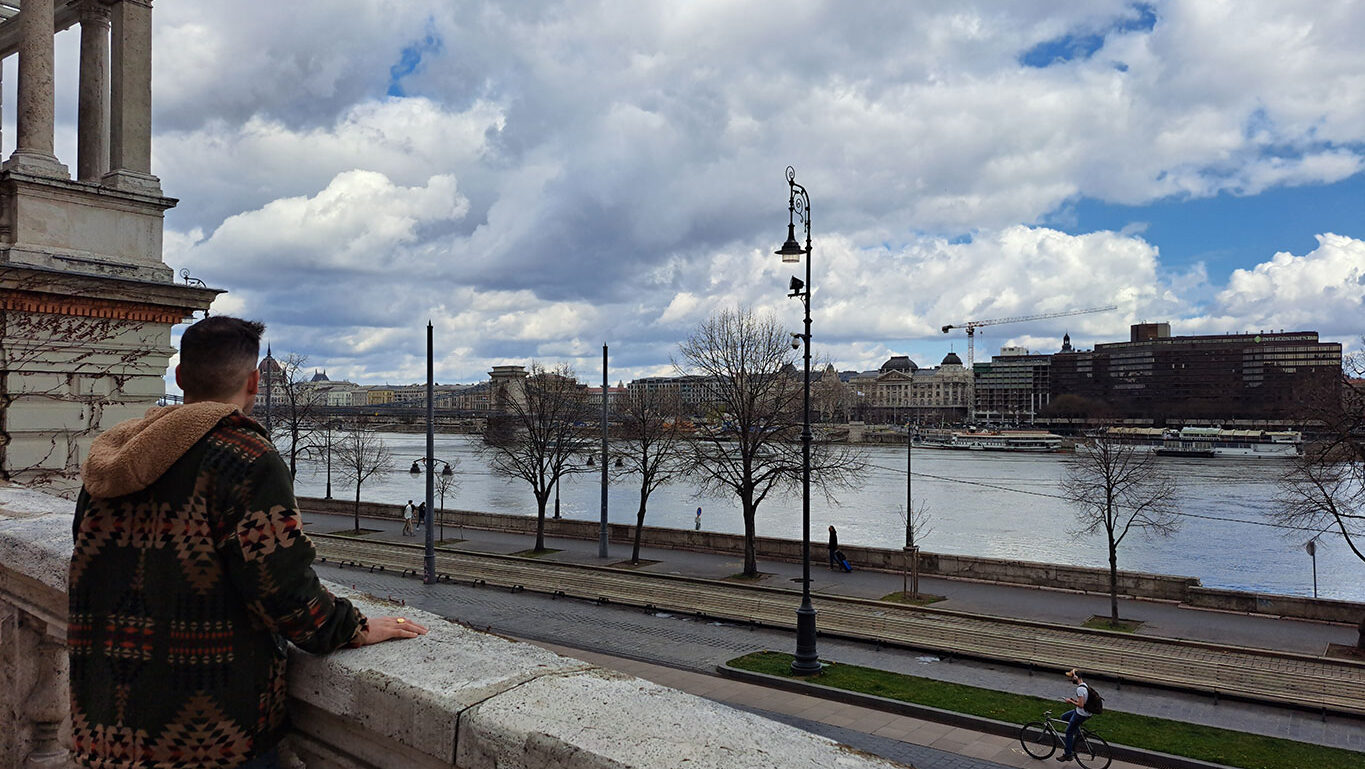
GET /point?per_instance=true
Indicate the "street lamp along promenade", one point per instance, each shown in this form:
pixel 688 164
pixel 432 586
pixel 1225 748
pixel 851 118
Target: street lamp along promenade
pixel 806 661
pixel 446 473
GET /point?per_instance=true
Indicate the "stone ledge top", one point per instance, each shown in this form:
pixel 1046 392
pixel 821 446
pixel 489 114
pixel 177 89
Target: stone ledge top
pixel 473 699
pixel 493 702
pixel 35 534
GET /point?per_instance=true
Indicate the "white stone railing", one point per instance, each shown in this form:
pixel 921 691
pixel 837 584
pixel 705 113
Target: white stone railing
pixel 453 698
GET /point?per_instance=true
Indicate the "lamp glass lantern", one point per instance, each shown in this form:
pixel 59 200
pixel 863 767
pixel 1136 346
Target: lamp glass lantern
pixel 791 251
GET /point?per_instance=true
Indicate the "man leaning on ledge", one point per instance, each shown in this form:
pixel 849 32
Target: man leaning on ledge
pixel 190 571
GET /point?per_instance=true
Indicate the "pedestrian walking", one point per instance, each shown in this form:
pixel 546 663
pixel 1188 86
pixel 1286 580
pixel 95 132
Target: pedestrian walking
pixel 1076 716
pixel 699 519
pixel 833 548
pixel 422 513
pixel 223 605
pixel 407 519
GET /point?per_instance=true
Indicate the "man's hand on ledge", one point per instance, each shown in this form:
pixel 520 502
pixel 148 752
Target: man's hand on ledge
pixel 385 628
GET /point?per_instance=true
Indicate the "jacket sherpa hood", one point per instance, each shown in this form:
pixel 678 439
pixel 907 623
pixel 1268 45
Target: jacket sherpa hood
pixel 134 454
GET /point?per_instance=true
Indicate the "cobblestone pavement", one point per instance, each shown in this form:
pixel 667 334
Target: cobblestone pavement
pixel 697 646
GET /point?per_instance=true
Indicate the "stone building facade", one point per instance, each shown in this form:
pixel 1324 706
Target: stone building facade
pixel 901 392
pixel 1014 386
pixel 86 302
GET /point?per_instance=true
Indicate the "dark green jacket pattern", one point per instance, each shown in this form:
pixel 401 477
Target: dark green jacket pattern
pixel 181 596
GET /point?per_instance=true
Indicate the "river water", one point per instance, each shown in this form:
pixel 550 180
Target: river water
pixel 995 505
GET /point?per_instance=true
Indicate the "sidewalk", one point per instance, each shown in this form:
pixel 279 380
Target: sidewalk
pixel 1159 618
pixel 618 638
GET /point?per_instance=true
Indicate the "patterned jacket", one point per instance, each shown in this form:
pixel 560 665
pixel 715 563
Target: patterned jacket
pixel 190 569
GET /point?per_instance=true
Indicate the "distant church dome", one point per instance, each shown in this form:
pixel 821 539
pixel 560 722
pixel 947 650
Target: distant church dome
pixel 899 363
pixel 1066 342
pixel 951 359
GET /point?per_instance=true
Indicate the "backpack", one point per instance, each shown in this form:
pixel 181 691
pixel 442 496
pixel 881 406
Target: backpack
pixel 1094 703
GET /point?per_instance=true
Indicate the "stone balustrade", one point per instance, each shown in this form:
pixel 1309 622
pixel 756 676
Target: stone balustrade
pixel 453 698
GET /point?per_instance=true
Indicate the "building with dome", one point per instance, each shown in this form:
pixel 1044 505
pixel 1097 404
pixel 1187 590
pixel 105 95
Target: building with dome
pixel 901 391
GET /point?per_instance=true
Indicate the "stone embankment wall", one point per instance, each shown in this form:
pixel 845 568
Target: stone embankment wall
pixel 453 698
pixel 1186 590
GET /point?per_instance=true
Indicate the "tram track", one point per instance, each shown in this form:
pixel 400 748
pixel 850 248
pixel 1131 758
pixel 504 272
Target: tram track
pixel 1283 678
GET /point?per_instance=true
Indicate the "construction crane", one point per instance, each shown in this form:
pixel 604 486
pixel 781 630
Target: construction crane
pixel 972 325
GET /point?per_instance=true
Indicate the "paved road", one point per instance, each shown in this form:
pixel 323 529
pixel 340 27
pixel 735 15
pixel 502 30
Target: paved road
pixel 688 644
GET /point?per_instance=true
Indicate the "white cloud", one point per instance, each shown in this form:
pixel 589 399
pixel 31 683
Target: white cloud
pixel 1323 290
pixel 619 165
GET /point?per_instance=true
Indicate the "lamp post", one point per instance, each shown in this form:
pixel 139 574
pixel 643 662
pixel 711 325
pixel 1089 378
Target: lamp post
pixel 911 549
pixel 1312 548
pixel 328 427
pixel 429 559
pixel 806 662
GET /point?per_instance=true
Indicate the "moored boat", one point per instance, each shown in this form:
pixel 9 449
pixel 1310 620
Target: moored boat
pixel 1211 442
pixel 1029 441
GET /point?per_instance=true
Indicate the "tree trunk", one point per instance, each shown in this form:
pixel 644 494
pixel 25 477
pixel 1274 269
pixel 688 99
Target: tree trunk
pixel 639 524
pixel 1113 585
pixel 294 453
pixel 540 521
pixel 357 508
pixel 750 541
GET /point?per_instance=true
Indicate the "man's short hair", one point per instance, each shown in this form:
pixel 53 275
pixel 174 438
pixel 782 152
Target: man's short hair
pixel 217 354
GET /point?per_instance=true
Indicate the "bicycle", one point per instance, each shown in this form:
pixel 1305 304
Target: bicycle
pixel 1041 738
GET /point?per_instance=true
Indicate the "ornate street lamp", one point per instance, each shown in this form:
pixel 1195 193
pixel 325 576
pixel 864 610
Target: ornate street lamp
pixel 806 662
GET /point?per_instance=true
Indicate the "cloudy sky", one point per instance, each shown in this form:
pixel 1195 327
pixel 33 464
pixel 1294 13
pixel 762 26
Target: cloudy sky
pixel 538 178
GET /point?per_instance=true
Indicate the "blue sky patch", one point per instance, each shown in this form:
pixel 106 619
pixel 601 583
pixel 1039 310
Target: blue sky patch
pixel 1083 45
pixel 411 59
pixel 1228 232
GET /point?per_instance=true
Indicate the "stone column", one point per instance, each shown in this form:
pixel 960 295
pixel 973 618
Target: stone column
pixel 47 706
pixel 130 109
pixel 92 138
pixel 33 150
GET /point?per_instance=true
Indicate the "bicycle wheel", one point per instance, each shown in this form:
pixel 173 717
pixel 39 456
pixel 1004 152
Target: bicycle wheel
pixel 1038 740
pixel 1092 752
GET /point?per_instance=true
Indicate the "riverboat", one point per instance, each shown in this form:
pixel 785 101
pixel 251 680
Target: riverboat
pixel 1211 442
pixel 1029 441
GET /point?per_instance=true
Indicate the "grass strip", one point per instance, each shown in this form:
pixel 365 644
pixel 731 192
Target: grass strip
pixel 922 599
pixel 1102 623
pixel 1206 743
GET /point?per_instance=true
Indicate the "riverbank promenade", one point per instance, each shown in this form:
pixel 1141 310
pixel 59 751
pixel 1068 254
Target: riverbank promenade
pixel 578 625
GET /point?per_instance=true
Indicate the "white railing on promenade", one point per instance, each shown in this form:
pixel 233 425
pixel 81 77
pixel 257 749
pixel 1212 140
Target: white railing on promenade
pixel 453 698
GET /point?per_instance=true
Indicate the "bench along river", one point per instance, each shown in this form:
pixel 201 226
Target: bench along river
pixel 983 504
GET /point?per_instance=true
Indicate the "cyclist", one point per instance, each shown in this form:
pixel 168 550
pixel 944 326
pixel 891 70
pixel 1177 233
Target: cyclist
pixel 1076 716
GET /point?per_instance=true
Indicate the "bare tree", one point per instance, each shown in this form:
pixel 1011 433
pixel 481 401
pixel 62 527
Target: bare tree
pixel 918 525
pixel 322 445
pixel 362 455
pixel 446 483
pixel 1117 488
pixel 535 436
pixel 755 449
pixel 1324 489
pixel 294 407
pixel 652 446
